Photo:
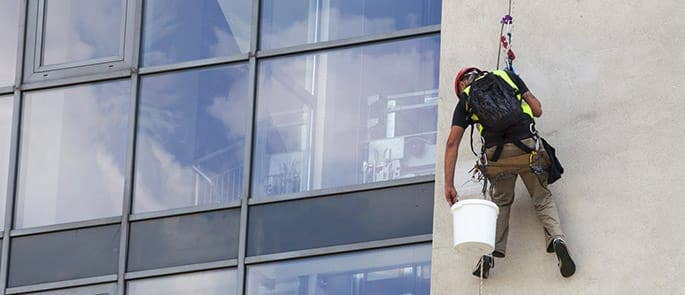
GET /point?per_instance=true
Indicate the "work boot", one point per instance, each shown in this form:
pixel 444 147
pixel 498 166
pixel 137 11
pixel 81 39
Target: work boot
pixel 489 263
pixel 566 264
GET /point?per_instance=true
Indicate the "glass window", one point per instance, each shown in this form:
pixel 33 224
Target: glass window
pixel 400 270
pixel 6 109
pixel 73 151
pixel 191 138
pixel 65 255
pixel 356 217
pixel 216 282
pixel 295 22
pixel 182 240
pixel 183 30
pixel 109 289
pixel 9 24
pixel 346 117
pixel 80 30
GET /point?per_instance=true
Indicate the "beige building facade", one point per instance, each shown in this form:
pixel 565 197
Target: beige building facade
pixel 610 78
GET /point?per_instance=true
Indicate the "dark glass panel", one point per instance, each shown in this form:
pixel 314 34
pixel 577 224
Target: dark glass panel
pixel 341 219
pixel 181 240
pixel 67 255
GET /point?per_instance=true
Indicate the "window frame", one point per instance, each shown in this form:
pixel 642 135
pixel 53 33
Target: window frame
pixel 34 71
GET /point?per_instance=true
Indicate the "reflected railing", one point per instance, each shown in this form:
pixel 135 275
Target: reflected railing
pixel 212 187
pixel 220 188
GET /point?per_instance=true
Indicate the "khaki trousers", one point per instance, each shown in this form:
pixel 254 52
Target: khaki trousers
pixel 502 193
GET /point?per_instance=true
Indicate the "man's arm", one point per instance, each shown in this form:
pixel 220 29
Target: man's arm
pixel 534 103
pixel 451 150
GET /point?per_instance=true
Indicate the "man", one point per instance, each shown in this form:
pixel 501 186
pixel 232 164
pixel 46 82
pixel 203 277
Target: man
pixel 500 147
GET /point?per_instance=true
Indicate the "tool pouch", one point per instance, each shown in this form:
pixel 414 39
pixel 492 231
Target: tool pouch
pixel 517 164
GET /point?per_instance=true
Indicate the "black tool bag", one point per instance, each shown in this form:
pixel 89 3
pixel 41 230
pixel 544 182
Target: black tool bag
pixel 495 103
pixel 555 169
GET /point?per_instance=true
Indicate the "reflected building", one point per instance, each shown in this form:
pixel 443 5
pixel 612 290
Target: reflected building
pixel 218 146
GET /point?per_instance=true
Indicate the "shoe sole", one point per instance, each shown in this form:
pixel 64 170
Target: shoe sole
pixel 567 266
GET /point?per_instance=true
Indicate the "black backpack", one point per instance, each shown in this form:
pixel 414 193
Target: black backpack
pixel 495 103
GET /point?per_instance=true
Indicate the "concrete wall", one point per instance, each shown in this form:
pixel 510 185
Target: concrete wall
pixel 610 75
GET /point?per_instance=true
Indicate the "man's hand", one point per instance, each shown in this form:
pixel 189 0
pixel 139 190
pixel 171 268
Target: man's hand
pixel 451 194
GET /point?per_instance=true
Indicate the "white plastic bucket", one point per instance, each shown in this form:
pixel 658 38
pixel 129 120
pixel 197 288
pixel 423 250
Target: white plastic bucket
pixel 475 222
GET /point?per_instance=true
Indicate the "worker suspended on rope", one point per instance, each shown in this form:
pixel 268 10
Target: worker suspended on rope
pixel 504 110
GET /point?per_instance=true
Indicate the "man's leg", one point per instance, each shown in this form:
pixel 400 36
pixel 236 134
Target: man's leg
pixel 545 207
pixel 548 215
pixel 502 194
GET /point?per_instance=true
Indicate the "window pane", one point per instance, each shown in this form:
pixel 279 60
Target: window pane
pixel 183 30
pixel 66 255
pixel 73 149
pixel 6 109
pixel 346 117
pixel 295 22
pixel 9 23
pixel 356 217
pixel 79 30
pixel 217 282
pixel 400 270
pixel 109 289
pixel 191 138
pixel 182 240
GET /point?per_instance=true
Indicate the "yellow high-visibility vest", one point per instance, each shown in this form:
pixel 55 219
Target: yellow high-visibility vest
pixel 524 105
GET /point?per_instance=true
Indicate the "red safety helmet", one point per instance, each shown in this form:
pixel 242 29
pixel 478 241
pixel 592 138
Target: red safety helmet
pixel 461 74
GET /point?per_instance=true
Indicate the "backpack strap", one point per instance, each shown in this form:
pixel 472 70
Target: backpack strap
pixel 472 149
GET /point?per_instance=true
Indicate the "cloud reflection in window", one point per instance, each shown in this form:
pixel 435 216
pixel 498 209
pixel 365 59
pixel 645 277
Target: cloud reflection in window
pixel 73 151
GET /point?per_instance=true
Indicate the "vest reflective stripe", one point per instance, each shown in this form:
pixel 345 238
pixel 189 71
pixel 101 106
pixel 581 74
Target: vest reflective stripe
pixel 524 105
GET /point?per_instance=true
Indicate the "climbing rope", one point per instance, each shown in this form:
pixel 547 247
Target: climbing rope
pixel 480 289
pixel 505 41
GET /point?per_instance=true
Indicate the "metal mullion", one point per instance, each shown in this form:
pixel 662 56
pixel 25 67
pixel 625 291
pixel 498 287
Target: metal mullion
pixel 254 29
pixel 131 146
pixel 340 249
pixel 181 269
pixel 244 208
pixel 128 188
pixel 14 147
pixel 62 284
pixel 249 143
pixel 11 189
pixel 65 226
pixel 194 64
pixel 351 42
pixel 184 211
pixel 345 190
